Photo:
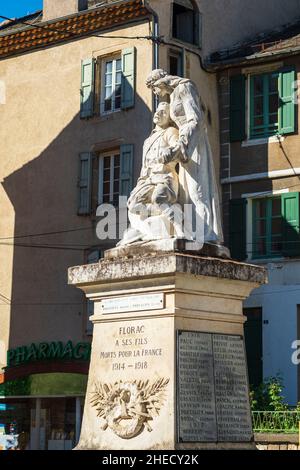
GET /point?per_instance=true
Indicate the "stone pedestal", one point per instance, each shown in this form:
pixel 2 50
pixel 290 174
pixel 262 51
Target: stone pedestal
pixel 168 368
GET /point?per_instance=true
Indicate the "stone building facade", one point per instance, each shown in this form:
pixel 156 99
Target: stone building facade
pixel 259 173
pixel 75 111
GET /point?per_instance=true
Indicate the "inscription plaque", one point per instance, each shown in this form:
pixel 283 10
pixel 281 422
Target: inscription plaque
pixel 231 389
pixel 197 415
pixel 212 400
pixel 133 303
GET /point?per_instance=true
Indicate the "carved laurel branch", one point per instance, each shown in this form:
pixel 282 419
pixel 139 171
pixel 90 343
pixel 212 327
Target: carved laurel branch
pixel 100 398
pixel 152 395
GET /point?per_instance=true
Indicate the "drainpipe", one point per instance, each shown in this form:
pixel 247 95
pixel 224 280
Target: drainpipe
pixel 155 42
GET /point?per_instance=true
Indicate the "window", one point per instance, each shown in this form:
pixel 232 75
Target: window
pixel 264 105
pixel 103 178
pixel 267 227
pixel 186 22
pixel 176 63
pixel 109 178
pixel 270 228
pixel 112 85
pixel 108 84
pixel 271 105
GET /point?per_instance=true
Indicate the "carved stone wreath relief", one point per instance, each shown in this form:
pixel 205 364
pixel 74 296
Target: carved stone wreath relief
pixel 127 407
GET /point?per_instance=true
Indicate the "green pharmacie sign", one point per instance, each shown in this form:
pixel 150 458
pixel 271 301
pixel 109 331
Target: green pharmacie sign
pixel 48 351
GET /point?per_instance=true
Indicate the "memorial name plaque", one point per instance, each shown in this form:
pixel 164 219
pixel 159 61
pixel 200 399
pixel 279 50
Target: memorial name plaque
pixel 133 303
pixel 197 416
pixel 212 386
pixel 231 389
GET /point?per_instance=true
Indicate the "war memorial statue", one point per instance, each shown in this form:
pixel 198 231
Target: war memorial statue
pixel 176 195
pixel 168 366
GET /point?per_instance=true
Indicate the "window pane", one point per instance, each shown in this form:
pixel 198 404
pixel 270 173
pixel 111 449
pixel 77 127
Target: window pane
pixel 118 102
pixel 106 176
pixel 258 121
pixel 108 67
pixel 273 83
pixel 261 208
pixel 273 103
pixel 106 162
pixel 108 80
pixel 117 160
pixel 260 247
pixel 108 92
pixel 258 106
pixel 116 186
pixel 118 65
pixel 258 85
pixel 261 227
pixel 276 207
pixel 118 90
pixel 107 105
pixel 273 119
pixel 106 188
pixel 174 65
pixel 117 173
pixel 118 78
pixel 276 226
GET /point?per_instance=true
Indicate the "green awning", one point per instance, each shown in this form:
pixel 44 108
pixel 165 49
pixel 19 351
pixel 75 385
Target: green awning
pixel 51 384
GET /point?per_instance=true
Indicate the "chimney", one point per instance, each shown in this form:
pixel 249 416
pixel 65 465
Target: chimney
pixel 58 8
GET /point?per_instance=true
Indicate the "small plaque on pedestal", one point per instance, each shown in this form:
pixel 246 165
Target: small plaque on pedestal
pixel 133 303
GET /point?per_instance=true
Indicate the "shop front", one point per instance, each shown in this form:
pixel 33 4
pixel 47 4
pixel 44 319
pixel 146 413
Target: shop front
pixel 41 401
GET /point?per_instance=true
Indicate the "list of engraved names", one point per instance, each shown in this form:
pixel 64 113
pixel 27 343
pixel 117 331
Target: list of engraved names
pixel 213 401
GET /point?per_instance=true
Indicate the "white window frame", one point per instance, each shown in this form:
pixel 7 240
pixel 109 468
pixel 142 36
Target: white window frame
pixel 249 219
pixel 113 109
pixel 249 72
pixel 112 154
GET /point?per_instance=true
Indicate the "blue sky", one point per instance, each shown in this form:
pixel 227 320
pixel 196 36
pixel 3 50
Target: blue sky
pixel 18 8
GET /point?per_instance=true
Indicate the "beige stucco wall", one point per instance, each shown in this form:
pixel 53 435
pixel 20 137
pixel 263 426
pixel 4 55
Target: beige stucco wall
pixel 41 138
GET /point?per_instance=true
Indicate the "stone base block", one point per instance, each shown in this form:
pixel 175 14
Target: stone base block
pixel 168 367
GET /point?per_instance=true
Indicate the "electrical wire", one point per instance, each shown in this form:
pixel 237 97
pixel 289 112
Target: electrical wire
pixel 41 304
pixel 71 33
pixel 40 234
pixel 276 292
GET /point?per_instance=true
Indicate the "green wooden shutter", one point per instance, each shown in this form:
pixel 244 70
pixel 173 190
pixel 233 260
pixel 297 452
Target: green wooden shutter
pixel 287 105
pixel 85 183
pixel 126 169
pixel 237 108
pixel 128 77
pixel 87 88
pixel 290 224
pixel 237 228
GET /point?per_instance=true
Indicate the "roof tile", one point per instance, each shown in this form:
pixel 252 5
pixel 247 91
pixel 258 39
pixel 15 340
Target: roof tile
pixel 73 27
